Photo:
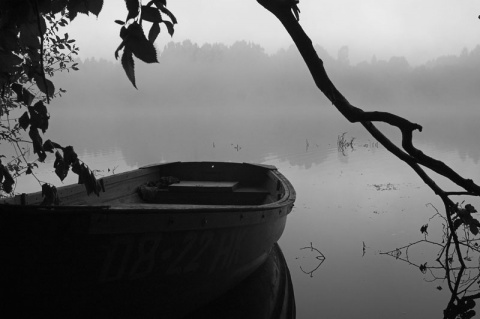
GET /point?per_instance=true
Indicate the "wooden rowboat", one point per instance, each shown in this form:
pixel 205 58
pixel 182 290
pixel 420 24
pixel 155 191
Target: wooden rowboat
pixel 168 238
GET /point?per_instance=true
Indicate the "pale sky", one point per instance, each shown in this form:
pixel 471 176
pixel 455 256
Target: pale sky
pixel 420 30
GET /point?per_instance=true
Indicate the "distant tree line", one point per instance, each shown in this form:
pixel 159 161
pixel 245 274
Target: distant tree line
pixel 244 75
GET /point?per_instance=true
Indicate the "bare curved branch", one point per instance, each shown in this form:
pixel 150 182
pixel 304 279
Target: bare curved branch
pixel 409 154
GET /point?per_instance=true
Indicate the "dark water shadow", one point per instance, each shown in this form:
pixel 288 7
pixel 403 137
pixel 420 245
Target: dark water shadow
pixel 267 293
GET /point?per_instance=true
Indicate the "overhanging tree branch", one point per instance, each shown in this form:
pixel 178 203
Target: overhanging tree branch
pixel 287 12
pixel 411 155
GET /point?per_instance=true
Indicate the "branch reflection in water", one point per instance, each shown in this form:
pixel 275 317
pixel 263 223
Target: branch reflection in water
pixel 461 278
pixel 319 259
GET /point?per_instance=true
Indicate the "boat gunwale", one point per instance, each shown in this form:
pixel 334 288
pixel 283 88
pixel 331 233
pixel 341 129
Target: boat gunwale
pixel 288 198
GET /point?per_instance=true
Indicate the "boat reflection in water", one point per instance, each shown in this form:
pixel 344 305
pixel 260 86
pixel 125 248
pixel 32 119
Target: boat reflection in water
pixel 267 293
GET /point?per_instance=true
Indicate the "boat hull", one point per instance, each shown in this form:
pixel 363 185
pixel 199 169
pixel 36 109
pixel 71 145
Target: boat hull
pixel 55 265
pixel 133 259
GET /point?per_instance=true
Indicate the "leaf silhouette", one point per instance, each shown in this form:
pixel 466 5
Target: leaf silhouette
pixel 160 3
pixel 49 146
pixel 44 85
pixel 49 192
pixel 474 229
pixel 154 31
pixel 169 27
pixel 24 121
pixel 17 88
pixel 77 6
pixel 423 229
pixel 168 13
pixel 61 167
pixel 128 65
pixel 136 41
pixel 90 182
pixel 132 6
pixel 39 116
pixel 87 177
pixel 37 143
pixel 151 14
pixel 69 155
pixel 470 208
pixel 423 268
pixel 77 167
pixel 6 179
pixel 95 6
pixel 120 47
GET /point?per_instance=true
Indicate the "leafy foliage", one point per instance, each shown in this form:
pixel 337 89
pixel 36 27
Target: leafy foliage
pixel 134 41
pixel 464 217
pixel 32 49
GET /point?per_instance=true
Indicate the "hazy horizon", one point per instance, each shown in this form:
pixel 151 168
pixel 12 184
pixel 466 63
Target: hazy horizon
pixel 387 28
pixel 244 75
pixel 323 51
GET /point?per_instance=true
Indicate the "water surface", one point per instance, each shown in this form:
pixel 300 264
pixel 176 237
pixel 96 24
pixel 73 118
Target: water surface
pixel 351 205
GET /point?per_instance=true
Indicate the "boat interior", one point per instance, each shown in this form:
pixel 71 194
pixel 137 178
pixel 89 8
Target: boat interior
pixel 191 183
pixel 210 184
pixel 206 193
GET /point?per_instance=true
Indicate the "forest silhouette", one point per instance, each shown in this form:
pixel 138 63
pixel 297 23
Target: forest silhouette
pixel 244 76
pixel 212 89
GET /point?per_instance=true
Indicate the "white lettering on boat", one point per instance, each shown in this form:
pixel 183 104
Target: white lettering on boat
pixel 132 257
pixel 228 250
pixel 121 254
pixel 183 264
pixel 145 261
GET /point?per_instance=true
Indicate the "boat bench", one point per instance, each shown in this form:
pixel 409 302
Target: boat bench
pixel 206 193
pixel 203 186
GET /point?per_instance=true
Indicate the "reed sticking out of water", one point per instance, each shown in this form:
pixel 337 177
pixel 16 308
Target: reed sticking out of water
pixel 343 144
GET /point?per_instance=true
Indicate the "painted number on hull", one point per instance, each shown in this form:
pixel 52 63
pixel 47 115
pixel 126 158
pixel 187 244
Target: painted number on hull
pixel 130 257
pixel 183 264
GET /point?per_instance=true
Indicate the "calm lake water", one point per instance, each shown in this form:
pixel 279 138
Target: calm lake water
pixel 351 205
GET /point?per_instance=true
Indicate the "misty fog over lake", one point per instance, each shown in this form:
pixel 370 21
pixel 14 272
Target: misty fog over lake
pixel 237 103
